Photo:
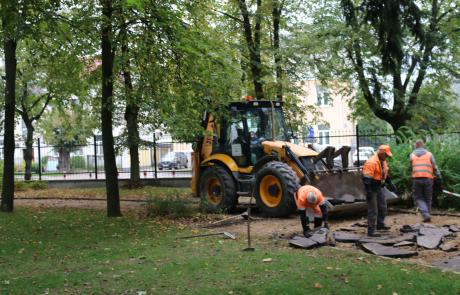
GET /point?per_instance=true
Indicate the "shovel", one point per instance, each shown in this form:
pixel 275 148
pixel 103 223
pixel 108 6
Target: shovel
pixel 226 234
pixel 451 193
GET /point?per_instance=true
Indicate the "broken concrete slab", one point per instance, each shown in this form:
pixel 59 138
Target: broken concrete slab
pixel 320 236
pixel 386 251
pixel 449 246
pixel 388 240
pixel 454 229
pixel 345 237
pixel 404 243
pixel 359 224
pixel 431 230
pixel 453 263
pixel 347 198
pixel 429 241
pixel 302 242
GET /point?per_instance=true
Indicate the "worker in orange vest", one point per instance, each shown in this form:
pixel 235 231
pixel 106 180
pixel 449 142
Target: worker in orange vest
pixel 312 204
pixel 375 176
pixel 424 170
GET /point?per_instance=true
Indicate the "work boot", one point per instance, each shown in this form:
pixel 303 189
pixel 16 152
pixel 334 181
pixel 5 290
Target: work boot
pixel 427 219
pixel 373 234
pixel 383 226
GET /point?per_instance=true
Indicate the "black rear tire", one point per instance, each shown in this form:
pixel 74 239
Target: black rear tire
pixel 218 189
pixel 276 184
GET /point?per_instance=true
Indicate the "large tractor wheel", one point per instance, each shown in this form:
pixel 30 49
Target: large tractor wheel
pixel 276 184
pixel 218 189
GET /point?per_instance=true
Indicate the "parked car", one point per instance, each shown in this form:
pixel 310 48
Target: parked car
pixel 365 152
pixel 173 160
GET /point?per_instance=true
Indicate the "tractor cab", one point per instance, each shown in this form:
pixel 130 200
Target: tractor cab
pixel 247 126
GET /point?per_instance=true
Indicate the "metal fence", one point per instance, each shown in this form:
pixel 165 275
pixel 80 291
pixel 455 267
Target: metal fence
pixel 161 159
pixel 86 162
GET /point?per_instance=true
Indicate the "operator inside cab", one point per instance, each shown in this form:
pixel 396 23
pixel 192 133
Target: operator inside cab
pixel 312 204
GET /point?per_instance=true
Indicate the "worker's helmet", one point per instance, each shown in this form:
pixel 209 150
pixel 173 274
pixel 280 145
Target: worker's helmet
pixel 312 198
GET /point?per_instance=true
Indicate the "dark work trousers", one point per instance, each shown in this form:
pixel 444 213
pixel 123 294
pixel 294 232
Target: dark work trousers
pixel 376 205
pixel 422 189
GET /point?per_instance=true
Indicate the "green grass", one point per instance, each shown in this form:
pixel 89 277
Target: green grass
pixel 63 251
pixel 146 192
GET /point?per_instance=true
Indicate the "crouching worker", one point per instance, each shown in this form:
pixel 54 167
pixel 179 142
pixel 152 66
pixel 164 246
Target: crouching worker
pixel 311 204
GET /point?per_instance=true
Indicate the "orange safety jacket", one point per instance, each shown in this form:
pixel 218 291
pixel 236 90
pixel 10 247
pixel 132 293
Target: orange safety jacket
pixel 373 169
pixel 302 202
pixel 422 166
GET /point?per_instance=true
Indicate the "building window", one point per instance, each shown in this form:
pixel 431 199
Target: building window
pixel 323 134
pixel 322 96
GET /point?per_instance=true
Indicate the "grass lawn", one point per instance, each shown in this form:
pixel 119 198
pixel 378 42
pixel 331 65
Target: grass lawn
pixel 136 194
pixel 59 251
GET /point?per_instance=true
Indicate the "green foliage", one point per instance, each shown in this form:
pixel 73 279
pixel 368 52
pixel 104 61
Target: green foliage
pixel 445 150
pixel 77 162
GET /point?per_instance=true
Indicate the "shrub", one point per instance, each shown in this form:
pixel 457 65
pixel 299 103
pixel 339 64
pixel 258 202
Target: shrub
pixel 77 162
pixel 444 149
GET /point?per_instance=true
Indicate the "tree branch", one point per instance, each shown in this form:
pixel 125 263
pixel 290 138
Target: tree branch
pixel 48 99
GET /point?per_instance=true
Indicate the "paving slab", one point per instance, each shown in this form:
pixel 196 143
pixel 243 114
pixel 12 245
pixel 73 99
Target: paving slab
pixel 388 240
pixel 359 224
pixel 454 229
pixel 449 246
pixel 429 241
pixel 404 243
pixel 452 264
pixel 345 237
pixel 320 236
pixel 302 242
pixel 431 230
pixel 381 250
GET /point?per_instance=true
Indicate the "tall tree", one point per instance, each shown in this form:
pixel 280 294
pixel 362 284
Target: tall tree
pixel 390 48
pixel 10 16
pixel 107 56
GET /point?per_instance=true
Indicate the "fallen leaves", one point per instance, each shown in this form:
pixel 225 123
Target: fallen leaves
pixel 318 286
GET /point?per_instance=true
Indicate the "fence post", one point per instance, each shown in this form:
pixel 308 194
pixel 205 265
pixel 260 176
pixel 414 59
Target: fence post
pixel 39 160
pixel 357 144
pixel 95 156
pixel 155 155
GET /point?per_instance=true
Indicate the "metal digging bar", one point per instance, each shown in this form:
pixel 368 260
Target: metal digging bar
pixel 249 248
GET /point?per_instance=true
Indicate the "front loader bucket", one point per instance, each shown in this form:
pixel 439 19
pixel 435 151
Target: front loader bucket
pixel 345 190
pixel 345 187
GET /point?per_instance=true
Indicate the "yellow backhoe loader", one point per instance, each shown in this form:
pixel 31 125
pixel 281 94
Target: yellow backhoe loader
pixel 247 151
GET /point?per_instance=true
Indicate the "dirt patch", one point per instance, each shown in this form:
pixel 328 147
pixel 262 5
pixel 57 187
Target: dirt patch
pixel 280 230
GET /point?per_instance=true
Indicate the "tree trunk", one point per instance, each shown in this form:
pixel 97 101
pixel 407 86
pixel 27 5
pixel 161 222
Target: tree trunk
pixel 64 160
pixel 253 46
pixel 9 46
pixel 131 117
pixel 28 153
pixel 276 16
pixel 110 167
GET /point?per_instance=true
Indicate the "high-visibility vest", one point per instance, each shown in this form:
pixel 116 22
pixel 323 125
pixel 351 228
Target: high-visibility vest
pixel 422 166
pixel 302 202
pixel 373 169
